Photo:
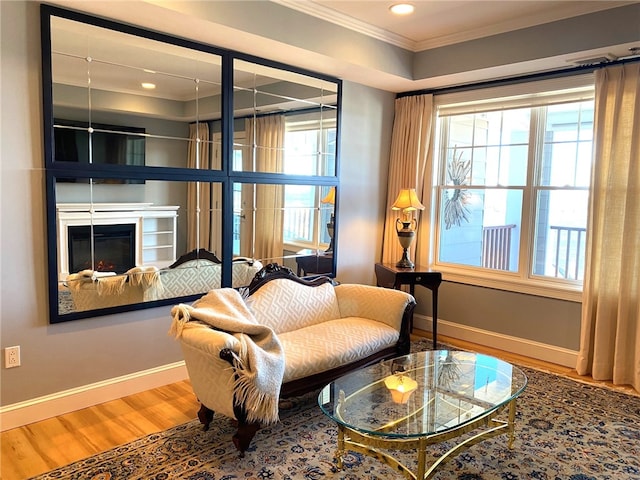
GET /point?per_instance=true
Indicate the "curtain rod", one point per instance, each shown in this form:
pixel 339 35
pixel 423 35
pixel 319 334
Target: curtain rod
pixel 564 72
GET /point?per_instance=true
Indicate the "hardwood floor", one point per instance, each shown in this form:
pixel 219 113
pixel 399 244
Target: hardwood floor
pixel 42 446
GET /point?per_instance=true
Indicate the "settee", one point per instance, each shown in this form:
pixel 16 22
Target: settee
pixel 318 329
pixel 195 272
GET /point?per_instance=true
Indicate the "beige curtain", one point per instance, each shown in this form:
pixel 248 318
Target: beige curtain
pixel 203 199
pixel 266 135
pixel 610 336
pixel 409 167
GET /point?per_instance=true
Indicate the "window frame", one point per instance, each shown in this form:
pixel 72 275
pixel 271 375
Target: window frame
pixel 532 95
pixel 322 127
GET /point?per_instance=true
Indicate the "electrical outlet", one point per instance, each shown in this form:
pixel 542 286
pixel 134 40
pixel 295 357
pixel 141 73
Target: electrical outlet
pixel 12 357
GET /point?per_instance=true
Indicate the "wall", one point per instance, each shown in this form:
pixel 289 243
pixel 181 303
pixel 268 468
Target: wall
pixel 75 354
pixel 54 357
pixel 78 354
pixel 367 120
pixel 538 327
pixel 562 37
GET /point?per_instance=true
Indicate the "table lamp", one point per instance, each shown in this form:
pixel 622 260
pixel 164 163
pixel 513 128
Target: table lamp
pixel 407 202
pixel 330 198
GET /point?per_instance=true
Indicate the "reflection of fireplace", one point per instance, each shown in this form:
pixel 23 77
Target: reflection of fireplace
pixel 113 247
pixel 154 237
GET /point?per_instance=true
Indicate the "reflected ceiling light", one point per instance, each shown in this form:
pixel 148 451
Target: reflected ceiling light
pixel 148 85
pixel 402 8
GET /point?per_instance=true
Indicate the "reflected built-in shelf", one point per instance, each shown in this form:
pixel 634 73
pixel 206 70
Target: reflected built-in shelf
pixel 155 229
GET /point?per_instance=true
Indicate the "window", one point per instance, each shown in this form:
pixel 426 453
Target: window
pixel 511 190
pixel 309 150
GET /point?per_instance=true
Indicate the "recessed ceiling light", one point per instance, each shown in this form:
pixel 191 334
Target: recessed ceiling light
pixel 402 8
pixel 148 85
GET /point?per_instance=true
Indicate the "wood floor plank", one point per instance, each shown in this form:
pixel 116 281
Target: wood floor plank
pixel 42 446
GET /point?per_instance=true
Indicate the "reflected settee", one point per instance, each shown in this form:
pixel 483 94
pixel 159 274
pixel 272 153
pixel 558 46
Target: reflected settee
pixel 196 272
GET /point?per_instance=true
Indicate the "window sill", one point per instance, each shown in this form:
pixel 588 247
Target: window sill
pixel 512 283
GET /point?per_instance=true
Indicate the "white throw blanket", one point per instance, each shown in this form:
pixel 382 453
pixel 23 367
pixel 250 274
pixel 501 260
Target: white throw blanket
pixel 259 365
pixel 110 283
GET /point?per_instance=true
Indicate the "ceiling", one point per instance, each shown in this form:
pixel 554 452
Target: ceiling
pixel 436 23
pixel 426 50
pixel 441 23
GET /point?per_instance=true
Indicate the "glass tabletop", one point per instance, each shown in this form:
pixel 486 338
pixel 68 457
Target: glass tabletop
pixel 421 393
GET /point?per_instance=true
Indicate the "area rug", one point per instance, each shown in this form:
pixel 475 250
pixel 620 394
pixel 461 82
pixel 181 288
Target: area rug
pixel 565 430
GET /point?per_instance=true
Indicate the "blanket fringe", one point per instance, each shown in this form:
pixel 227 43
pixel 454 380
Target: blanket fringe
pixel 111 285
pixel 181 314
pixel 146 277
pixel 260 406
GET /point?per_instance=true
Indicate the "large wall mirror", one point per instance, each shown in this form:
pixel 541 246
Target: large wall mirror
pixel 175 167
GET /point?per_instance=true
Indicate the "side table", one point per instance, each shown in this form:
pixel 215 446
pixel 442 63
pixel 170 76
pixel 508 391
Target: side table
pixel 390 276
pixel 314 264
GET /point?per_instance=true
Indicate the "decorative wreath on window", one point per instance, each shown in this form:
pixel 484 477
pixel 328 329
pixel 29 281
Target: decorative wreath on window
pixel 455 206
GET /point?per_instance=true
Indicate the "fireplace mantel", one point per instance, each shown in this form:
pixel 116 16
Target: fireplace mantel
pixel 155 229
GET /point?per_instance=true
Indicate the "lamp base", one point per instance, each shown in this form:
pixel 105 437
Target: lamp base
pixel 330 230
pixel 405 262
pixel 330 248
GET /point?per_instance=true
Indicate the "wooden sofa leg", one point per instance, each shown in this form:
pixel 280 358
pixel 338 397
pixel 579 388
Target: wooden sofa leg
pixel 244 435
pixel 205 415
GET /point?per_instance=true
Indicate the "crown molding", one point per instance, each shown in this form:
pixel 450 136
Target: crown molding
pixel 346 21
pixel 573 9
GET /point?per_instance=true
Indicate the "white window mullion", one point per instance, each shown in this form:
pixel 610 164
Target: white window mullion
pixel 530 207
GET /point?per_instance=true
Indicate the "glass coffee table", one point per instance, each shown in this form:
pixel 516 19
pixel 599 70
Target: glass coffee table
pixel 411 402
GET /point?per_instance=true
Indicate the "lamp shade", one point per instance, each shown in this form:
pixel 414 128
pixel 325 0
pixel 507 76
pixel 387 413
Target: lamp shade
pixel 330 197
pixel 407 200
pixel 401 387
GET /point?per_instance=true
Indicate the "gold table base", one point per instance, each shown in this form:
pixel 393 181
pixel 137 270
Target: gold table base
pixel 350 439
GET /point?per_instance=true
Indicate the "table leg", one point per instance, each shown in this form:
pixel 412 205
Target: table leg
pixel 422 459
pixel 340 450
pixel 434 308
pixel 412 291
pixel 512 422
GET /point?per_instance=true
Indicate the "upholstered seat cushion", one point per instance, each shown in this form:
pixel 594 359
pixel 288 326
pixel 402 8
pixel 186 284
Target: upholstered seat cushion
pixel 333 343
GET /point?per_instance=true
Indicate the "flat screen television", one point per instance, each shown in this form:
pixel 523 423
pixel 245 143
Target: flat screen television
pixel 110 145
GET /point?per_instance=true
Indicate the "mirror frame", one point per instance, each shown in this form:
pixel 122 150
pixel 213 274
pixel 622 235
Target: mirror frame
pixel 226 176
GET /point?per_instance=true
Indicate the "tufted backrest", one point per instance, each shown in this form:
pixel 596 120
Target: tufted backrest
pixel 285 305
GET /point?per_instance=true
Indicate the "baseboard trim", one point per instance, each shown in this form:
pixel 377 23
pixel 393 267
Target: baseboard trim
pixel 521 346
pixel 36 409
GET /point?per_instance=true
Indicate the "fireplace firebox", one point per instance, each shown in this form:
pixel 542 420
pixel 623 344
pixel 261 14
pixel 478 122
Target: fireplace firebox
pixel 103 248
